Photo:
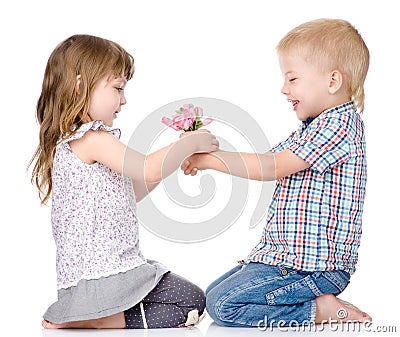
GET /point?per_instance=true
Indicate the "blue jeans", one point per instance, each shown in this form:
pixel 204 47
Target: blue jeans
pixel 262 295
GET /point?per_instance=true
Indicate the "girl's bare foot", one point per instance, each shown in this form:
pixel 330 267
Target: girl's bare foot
pixel 116 321
pixel 330 309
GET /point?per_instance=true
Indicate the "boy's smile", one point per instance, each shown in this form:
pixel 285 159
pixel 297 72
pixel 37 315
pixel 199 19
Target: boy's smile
pixel 294 103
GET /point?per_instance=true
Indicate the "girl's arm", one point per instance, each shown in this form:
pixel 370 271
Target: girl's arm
pixel 100 146
pixel 266 166
pixel 143 188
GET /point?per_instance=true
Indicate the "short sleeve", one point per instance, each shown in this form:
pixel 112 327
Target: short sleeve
pixel 94 125
pixel 283 145
pixel 324 144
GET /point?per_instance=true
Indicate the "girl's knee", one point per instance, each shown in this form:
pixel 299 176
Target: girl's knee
pixel 192 296
pixel 198 298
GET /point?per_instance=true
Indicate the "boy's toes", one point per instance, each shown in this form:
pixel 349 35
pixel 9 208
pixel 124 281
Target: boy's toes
pixel 366 318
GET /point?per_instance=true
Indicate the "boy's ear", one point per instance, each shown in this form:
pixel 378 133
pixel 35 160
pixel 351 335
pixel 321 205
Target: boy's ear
pixel 335 82
pixel 78 83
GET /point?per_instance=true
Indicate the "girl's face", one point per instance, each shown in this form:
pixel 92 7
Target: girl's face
pixel 107 99
pixel 305 86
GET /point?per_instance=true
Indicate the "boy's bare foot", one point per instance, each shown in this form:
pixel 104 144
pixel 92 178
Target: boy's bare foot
pixel 331 309
pixel 116 321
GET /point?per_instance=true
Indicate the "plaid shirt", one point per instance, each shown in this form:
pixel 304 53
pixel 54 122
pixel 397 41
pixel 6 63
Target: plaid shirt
pixel 314 218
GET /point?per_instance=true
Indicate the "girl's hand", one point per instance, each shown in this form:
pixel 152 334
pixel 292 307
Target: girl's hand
pixel 203 140
pixel 188 133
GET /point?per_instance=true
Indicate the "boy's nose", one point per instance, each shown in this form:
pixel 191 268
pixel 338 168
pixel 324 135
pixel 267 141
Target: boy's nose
pixel 284 89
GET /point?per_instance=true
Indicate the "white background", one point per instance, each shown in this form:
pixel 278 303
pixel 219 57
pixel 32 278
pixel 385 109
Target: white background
pixel 221 49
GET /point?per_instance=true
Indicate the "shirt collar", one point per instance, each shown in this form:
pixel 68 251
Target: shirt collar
pixel 340 108
pixel 307 121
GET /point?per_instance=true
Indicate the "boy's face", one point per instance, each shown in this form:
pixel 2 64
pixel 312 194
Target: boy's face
pixel 305 86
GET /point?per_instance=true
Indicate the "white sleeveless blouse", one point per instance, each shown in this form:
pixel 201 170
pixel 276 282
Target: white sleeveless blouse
pixel 93 216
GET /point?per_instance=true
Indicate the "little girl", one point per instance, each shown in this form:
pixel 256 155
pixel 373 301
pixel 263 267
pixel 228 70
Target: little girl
pixel 103 279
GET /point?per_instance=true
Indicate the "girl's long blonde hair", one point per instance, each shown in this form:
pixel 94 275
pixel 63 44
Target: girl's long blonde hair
pixel 61 109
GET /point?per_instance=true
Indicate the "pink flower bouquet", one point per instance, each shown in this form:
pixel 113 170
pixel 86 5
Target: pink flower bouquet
pixel 187 118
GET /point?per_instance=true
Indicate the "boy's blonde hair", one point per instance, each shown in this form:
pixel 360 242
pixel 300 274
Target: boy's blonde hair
pixel 332 44
pixel 61 109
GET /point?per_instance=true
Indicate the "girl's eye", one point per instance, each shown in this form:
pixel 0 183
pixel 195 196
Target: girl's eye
pixel 293 79
pixel 119 89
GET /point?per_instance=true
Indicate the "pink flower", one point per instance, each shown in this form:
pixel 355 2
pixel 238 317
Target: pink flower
pixel 199 111
pixel 207 121
pixel 169 122
pixel 187 118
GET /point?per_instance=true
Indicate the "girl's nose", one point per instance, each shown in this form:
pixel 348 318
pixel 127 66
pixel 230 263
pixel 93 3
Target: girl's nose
pixel 122 100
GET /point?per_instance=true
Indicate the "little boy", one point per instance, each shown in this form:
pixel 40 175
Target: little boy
pixel 309 246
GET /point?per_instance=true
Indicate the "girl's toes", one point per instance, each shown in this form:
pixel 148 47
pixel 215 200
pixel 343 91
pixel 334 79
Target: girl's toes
pixel 49 325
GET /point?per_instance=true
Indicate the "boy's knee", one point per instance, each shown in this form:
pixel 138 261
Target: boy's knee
pixel 216 308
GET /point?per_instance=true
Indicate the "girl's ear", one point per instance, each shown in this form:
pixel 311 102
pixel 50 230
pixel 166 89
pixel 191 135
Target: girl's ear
pixel 335 82
pixel 78 83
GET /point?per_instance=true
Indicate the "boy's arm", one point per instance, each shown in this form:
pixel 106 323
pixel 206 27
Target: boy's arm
pixel 287 163
pixel 266 167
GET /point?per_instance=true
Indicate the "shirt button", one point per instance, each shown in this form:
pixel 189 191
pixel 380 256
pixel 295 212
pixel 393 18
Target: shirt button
pixel 284 272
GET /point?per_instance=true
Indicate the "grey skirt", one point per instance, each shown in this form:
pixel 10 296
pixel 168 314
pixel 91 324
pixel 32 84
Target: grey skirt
pixel 105 296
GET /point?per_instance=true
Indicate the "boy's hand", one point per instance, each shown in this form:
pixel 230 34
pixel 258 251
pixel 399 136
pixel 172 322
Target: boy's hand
pixel 192 164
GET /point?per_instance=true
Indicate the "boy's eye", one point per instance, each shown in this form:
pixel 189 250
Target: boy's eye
pixel 119 89
pixel 292 79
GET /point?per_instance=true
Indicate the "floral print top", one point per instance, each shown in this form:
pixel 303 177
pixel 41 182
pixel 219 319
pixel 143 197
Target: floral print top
pixel 93 216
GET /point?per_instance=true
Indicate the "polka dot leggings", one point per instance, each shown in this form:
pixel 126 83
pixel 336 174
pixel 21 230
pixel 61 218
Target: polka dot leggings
pixel 167 305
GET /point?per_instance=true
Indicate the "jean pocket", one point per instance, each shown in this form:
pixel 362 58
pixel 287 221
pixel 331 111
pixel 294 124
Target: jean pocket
pixel 297 291
pixel 333 282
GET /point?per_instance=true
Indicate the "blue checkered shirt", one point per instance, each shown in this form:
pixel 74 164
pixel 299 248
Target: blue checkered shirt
pixel 314 218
